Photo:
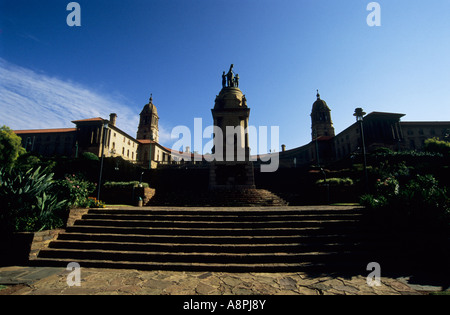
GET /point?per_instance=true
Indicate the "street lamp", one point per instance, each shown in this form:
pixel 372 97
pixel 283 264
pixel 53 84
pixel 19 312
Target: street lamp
pixel 317 146
pixel 359 114
pixel 105 131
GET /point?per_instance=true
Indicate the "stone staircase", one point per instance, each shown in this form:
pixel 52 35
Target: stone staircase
pixel 218 198
pixel 276 239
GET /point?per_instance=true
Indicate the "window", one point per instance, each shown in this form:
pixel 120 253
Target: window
pixel 123 151
pixel 421 132
pixel 410 132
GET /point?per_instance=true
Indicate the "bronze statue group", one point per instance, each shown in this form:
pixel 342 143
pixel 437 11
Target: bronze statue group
pixel 229 79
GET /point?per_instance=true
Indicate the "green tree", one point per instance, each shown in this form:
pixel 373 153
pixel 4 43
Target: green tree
pixel 10 146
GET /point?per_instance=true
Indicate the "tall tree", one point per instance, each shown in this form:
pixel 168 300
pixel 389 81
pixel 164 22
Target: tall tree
pixel 10 147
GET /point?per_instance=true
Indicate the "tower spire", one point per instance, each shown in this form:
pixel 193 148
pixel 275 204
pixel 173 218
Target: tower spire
pixel 318 95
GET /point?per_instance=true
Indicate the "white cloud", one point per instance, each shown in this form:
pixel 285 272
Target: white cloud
pixel 165 135
pixel 30 100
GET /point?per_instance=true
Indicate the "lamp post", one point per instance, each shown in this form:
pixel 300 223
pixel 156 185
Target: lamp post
pixel 359 114
pixel 105 132
pixel 317 146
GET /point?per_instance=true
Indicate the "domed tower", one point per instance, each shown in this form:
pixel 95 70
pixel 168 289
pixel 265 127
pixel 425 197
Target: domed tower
pixel 321 123
pixel 232 167
pixel 148 123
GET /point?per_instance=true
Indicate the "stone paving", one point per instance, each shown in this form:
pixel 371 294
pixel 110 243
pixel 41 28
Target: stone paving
pixel 53 281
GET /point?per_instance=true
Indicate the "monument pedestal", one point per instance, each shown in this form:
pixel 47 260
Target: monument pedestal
pixel 226 175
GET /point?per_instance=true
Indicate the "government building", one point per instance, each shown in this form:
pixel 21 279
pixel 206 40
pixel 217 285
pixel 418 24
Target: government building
pixel 380 129
pixel 103 136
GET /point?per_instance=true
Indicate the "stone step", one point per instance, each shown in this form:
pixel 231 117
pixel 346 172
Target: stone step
pixel 230 210
pixel 213 248
pixel 205 257
pixel 356 266
pixel 220 218
pixel 218 240
pixel 179 266
pixel 284 231
pixel 328 262
pixel 214 224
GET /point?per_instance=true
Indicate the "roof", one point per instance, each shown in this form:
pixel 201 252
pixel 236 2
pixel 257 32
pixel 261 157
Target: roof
pixel 88 120
pixel 320 105
pixel 427 123
pixel 324 138
pixel 384 114
pixel 145 141
pixel 149 108
pixel 31 131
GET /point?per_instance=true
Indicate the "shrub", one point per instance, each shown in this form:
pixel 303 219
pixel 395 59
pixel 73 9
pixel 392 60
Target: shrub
pixel 424 199
pixel 90 156
pixel 124 184
pixel 420 201
pixel 27 202
pixel 372 202
pixel 436 145
pixel 94 203
pixel 31 160
pixel 386 169
pixel 336 182
pixel 388 187
pixel 75 189
pixel 44 216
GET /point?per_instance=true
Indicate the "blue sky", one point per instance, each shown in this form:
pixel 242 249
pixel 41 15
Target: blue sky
pixel 283 50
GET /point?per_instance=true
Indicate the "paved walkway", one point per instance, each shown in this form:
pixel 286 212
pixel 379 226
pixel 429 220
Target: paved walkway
pixel 53 281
